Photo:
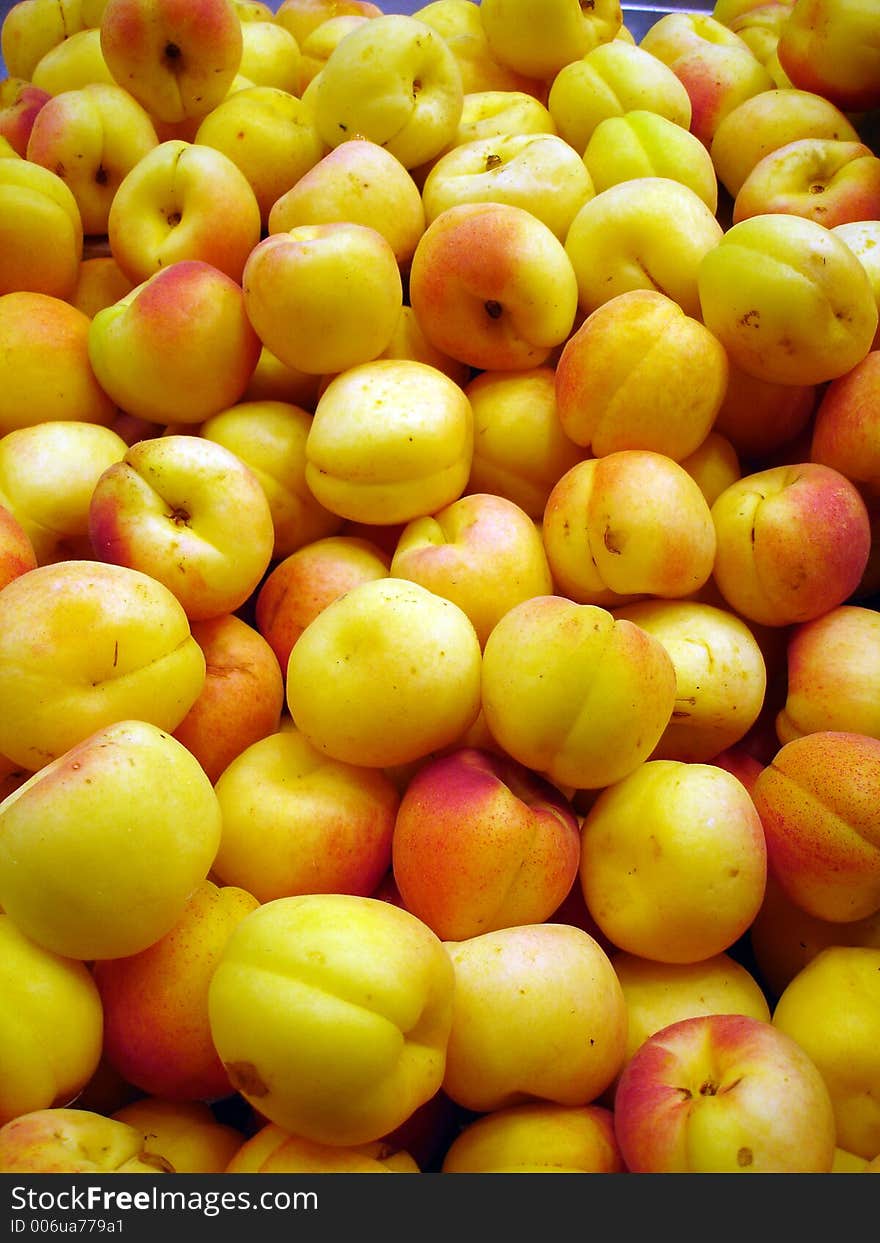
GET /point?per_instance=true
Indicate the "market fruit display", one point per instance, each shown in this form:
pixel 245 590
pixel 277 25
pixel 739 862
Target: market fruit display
pixel 439 583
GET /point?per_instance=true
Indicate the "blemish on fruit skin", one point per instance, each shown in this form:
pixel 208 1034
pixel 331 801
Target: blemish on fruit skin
pixel 744 1157
pixel 612 541
pixel 245 1077
pixel 157 1161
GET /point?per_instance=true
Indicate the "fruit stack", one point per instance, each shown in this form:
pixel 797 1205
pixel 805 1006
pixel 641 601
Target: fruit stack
pixel 439 647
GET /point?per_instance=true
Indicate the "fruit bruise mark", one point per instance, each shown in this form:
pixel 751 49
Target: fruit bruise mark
pixel 229 671
pixel 744 1157
pixel 678 713
pixel 613 541
pixel 751 319
pixel 156 1161
pixel 245 1077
